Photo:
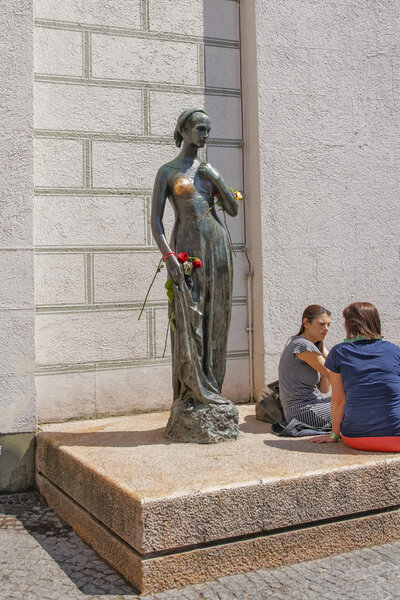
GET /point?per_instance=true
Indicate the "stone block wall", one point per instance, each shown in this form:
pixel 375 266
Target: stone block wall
pixel 320 82
pixel 110 80
pixel 326 123
pixel 17 392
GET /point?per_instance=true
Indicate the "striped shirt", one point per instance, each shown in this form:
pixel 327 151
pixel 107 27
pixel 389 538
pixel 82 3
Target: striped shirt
pixel 298 391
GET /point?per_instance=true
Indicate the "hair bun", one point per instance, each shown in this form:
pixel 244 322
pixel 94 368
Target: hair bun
pixel 178 137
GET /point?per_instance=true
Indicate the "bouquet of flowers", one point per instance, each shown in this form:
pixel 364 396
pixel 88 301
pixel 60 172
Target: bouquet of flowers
pixel 188 262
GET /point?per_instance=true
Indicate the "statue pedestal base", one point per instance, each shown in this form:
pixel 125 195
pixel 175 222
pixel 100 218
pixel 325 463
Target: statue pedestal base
pixel 192 421
pixel 166 514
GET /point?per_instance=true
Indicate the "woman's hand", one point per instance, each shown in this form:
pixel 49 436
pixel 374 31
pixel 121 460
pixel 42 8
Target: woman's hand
pixel 324 351
pixel 175 269
pixel 322 439
pixel 206 171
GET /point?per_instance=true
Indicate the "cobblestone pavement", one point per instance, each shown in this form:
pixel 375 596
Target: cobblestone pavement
pixel 42 558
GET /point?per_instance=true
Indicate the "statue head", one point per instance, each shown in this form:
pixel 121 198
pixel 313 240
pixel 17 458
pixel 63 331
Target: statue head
pixel 192 119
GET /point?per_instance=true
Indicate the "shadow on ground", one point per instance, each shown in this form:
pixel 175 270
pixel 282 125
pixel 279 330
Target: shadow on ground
pixel 299 444
pixel 90 573
pixel 155 437
pixel 109 439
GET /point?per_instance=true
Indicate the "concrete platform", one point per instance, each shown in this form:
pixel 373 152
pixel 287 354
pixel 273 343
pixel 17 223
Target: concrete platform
pixel 167 514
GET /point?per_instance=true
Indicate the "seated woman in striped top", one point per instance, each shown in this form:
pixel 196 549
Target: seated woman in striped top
pixel 303 377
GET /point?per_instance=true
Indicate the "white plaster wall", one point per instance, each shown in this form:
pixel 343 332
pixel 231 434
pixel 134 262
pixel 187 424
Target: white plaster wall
pixel 17 398
pixel 111 78
pixel 326 112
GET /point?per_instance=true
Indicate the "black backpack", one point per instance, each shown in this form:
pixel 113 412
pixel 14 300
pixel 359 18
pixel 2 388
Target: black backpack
pixel 268 406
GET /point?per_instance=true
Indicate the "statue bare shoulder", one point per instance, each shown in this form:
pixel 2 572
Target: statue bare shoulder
pixel 165 175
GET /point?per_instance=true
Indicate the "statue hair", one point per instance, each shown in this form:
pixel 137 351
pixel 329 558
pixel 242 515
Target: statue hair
pixel 181 122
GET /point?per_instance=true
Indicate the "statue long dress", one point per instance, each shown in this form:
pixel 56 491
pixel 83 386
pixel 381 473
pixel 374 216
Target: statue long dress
pixel 202 304
pixel 202 300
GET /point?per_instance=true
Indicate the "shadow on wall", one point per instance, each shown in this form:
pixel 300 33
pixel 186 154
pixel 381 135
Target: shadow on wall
pixel 223 103
pixel 17 462
pixel 222 82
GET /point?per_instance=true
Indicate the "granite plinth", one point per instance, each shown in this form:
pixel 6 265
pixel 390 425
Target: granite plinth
pixel 166 514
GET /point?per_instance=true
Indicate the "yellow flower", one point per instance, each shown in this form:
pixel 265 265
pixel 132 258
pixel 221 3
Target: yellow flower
pixel 236 193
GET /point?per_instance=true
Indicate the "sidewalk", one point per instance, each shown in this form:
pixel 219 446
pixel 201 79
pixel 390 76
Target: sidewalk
pixel 43 559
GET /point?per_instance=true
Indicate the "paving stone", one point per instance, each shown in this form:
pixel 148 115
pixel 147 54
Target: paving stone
pixel 170 595
pixel 41 558
pixel 233 583
pixel 241 586
pixel 259 584
pixel 205 591
pixel 270 579
pixel 388 554
pixel 222 592
pixel 191 594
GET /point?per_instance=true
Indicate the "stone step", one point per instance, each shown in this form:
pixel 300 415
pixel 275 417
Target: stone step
pixel 167 514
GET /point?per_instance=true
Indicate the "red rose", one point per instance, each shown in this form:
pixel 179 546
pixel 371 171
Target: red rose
pixel 197 263
pixel 182 257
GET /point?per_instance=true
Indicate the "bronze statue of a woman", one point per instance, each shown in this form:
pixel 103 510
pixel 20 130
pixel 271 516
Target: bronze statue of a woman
pixel 201 299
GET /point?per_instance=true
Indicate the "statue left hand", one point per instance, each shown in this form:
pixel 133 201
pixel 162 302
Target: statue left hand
pixel 206 171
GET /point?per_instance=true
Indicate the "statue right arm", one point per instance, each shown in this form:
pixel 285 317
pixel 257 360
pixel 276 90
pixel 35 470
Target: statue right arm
pixel 160 193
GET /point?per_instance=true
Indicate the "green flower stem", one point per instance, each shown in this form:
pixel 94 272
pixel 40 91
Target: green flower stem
pixel 159 267
pixel 166 339
pixel 208 210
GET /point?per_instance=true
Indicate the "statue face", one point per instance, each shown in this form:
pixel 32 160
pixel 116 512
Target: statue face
pixel 197 130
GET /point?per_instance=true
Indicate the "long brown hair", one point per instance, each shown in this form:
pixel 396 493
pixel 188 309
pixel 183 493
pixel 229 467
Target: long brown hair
pixel 312 312
pixel 362 318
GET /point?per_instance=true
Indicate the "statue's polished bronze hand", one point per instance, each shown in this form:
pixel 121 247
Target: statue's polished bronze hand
pixel 206 171
pixel 227 200
pixel 175 269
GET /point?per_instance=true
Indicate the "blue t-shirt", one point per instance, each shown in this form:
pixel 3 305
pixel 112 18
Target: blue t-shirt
pixel 370 371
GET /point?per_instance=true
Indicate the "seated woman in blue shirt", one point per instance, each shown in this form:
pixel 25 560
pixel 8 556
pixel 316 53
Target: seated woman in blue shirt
pixel 365 380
